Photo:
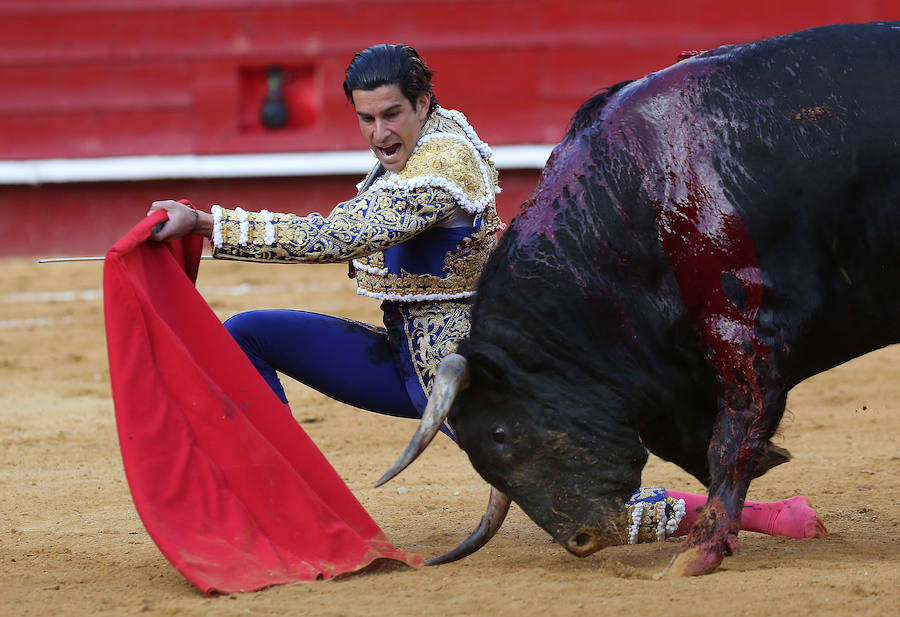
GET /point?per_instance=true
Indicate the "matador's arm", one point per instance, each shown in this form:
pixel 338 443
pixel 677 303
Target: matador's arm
pixel 360 226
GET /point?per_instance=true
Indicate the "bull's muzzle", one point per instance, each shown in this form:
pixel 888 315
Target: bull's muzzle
pixel 586 541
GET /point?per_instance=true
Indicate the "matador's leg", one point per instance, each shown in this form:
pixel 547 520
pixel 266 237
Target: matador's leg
pixel 791 518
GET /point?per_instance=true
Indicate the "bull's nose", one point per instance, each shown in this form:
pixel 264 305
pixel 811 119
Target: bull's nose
pixel 584 542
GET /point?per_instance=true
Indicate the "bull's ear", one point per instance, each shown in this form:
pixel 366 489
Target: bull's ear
pixel 773 457
pixel 486 370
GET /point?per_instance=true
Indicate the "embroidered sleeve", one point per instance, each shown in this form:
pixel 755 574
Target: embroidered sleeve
pixel 370 222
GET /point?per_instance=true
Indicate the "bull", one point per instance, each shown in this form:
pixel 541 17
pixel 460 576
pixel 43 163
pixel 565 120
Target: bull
pixel 702 240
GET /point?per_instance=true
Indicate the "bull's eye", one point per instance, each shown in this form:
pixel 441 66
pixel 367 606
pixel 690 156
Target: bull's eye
pixel 499 434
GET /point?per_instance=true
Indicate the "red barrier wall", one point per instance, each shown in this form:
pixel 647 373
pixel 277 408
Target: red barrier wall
pixel 105 77
pixel 97 78
pixel 87 218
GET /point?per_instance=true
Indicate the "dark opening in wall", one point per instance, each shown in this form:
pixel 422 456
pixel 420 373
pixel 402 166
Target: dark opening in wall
pixel 277 98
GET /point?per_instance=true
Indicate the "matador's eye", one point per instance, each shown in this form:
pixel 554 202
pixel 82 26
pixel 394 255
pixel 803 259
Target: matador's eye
pixel 499 434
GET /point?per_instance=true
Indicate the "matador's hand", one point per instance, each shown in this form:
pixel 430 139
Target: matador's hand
pixel 183 220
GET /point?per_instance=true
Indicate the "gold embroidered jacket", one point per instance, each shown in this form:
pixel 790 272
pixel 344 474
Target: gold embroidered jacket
pixel 450 168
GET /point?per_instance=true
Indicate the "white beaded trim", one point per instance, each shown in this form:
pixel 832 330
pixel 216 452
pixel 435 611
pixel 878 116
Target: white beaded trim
pixel 217 226
pixel 460 119
pixel 485 175
pixel 661 521
pixel 269 218
pixel 414 297
pixel 636 515
pixel 664 527
pixel 243 225
pixel 673 523
pixel 473 207
pixel 367 268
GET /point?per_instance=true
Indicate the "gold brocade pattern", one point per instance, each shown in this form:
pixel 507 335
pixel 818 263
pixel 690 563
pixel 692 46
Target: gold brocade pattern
pixel 433 332
pixel 454 161
pixel 463 268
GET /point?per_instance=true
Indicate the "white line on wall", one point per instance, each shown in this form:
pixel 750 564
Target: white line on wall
pixel 193 166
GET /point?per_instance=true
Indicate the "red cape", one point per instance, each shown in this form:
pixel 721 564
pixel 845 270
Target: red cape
pixel 231 489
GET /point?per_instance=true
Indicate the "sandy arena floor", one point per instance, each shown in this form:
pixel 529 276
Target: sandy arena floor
pixel 71 542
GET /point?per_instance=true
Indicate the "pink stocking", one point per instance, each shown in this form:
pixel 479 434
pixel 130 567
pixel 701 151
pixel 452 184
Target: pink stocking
pixel 792 518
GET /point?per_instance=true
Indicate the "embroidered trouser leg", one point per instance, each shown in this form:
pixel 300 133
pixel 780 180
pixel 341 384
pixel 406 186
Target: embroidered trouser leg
pixel 345 360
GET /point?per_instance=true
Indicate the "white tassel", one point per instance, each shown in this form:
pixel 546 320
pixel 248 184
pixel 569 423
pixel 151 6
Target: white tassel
pixel 244 226
pixel 661 521
pixel 217 226
pixel 269 218
pixel 636 516
pixel 679 510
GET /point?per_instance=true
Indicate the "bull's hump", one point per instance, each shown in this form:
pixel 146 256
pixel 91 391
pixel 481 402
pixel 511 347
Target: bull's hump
pixel 644 112
pixel 667 126
pixel 566 166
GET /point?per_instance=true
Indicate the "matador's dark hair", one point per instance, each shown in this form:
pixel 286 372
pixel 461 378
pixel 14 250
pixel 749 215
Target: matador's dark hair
pixel 389 65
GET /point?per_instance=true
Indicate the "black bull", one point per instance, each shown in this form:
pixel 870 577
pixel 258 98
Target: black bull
pixel 701 241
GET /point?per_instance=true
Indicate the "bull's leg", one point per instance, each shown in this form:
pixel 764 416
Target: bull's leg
pixel 740 437
pixel 714 259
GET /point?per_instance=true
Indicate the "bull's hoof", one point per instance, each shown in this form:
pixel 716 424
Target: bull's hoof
pixel 692 562
pixel 696 560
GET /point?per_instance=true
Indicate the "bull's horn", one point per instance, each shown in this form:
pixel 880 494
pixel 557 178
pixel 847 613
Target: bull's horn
pixel 452 376
pixel 498 506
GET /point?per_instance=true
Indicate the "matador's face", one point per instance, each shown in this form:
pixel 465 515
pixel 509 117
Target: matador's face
pixel 389 123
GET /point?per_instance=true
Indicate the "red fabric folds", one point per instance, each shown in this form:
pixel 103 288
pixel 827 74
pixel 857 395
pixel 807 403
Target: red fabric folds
pixel 228 485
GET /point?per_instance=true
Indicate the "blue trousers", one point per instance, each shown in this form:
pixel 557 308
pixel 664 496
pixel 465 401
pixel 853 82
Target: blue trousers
pixel 345 360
